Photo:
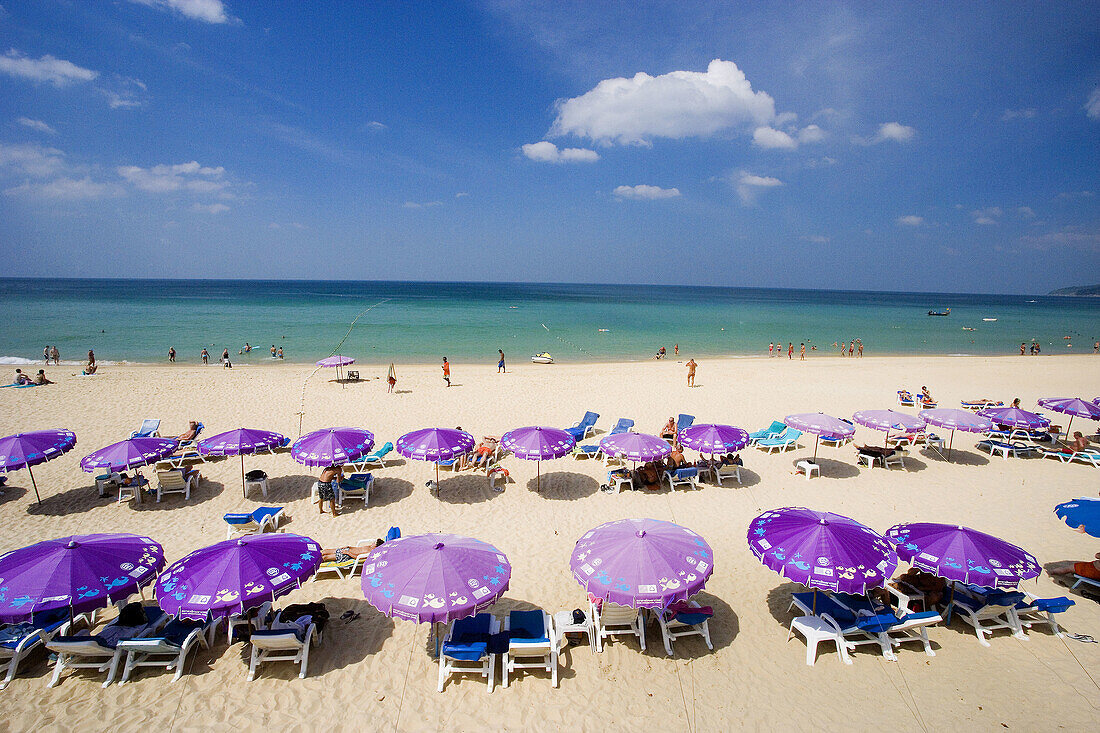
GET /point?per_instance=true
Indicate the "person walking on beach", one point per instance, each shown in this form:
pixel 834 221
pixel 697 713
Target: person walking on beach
pixel 790 349
pixel 172 354
pixel 273 351
pixel 327 487
pixel 55 355
pixel 500 364
pixel 226 364
pixel 771 348
pixel 446 371
pixel 205 356
pixel 859 348
pixel 391 378
pixel 46 354
pixel 676 349
pixel 691 365
pixel 802 353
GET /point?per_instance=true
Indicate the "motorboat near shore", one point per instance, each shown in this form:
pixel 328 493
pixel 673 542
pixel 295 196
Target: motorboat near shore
pixel 940 313
pixel 542 358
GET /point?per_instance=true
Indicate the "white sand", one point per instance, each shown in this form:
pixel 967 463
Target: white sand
pixel 377 674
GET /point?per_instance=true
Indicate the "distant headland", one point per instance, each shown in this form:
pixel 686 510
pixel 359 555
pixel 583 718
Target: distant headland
pixel 1092 291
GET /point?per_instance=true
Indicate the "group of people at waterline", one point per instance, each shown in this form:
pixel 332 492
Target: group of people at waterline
pixel 850 349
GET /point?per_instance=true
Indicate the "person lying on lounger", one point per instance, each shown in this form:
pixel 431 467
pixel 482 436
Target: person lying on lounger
pixel 342 554
pixel 1085 569
pixel 485 451
pixel 668 432
pixel 926 396
pixel 190 433
pixel 648 476
pixel 932 586
pixel 1079 442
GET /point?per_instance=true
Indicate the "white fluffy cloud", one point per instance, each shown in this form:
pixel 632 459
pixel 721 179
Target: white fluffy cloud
pixel 988 215
pixel 811 134
pixel 676 105
pixel 772 139
pixel 548 152
pixel 208 11
pixel 1092 106
pixel 749 185
pixel 180 177
pixel 36 125
pixel 68 189
pixel 894 131
pixel 47 69
pixel 911 220
pixel 642 192
pixel 30 160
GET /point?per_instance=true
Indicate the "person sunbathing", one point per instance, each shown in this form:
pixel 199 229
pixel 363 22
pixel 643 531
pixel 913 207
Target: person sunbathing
pixel 668 432
pixel 926 396
pixel 190 433
pixel 21 378
pixel 1079 442
pixel 675 460
pixel 648 476
pixel 485 451
pixel 931 586
pixel 40 378
pixel 1086 569
pixel 342 554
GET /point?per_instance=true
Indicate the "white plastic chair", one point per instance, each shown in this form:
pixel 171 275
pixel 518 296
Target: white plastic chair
pixel 611 619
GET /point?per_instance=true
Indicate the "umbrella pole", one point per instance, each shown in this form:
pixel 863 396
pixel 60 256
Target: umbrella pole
pixel 1068 426
pixel 538 476
pixel 244 490
pixel 949 444
pixel 34 484
pixel 817 439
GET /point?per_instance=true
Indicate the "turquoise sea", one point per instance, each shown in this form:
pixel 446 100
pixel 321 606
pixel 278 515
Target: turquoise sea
pixel 419 322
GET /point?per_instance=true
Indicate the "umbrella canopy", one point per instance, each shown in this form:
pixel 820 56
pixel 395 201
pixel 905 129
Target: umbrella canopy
pixel 963 554
pixel 129 453
pixel 435 577
pixel 822 550
pixel 80 573
pixel 1072 406
pixel 1081 514
pixel 332 446
pixel 537 443
pixel 241 441
pixel 335 361
pixel 24 450
pixel 819 424
pixel 1015 417
pixel 888 420
pixel 636 446
pixel 642 563
pixel 711 439
pixel 236 575
pixel 435 444
pixel 954 419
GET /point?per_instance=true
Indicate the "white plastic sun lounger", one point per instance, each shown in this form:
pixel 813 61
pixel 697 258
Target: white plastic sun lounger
pixel 532 645
pixel 672 627
pixel 168 649
pixel 100 651
pixel 611 619
pixel 289 643
pixel 461 655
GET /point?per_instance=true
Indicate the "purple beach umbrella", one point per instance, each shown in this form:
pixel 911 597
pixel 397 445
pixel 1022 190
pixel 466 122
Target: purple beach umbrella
pixel 24 450
pixel 819 424
pixel 435 578
pixel 962 554
pixel 332 446
pixel 635 446
pixel 130 453
pixel 538 444
pixel 233 576
pixel 435 445
pixel 241 442
pixel 712 439
pixel 888 421
pixel 822 550
pixel 1072 406
pixel 953 419
pixel 336 361
pixel 79 573
pixel 1015 417
pixel 642 563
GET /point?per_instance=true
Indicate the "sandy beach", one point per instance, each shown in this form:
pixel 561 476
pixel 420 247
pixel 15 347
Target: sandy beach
pixel 378 674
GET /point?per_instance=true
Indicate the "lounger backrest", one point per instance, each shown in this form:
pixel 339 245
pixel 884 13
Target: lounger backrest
pixel 615 615
pixel 240 520
pixel 792 434
pixel 588 420
pixel 148 427
pixel 684 421
pixel 777 427
pixel 622 426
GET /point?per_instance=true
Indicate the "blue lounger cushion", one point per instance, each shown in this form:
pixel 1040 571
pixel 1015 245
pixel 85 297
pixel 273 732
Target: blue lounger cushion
pixel 1049 605
pixel 527 626
pixel 469 639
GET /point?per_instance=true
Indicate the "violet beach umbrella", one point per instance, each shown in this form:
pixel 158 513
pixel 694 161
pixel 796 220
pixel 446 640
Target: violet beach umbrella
pixel 1015 417
pixel 822 550
pixel 538 444
pixel 635 446
pixel 79 573
pixel 887 421
pixel 435 445
pixel 236 575
pixel 130 453
pixel 435 578
pixel 642 563
pixel 1072 406
pixel 24 450
pixel 963 554
pixel 241 442
pixel 332 446
pixel 1082 514
pixel 953 419
pixel 336 362
pixel 818 424
pixel 712 439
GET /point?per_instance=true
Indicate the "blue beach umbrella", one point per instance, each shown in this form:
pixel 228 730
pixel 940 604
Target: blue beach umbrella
pixel 1081 514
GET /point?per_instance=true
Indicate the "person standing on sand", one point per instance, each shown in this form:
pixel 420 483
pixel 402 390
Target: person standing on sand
pixel 691 365
pixel 205 356
pixel 46 354
pixel 859 348
pixel 500 364
pixel 327 487
pixel 226 364
pixel 676 349
pixel 1022 345
pixel 391 378
pixel 446 371
pixel 771 348
pixel 790 349
pixel 55 355
pixel 851 348
pixel 172 354
pixel 802 353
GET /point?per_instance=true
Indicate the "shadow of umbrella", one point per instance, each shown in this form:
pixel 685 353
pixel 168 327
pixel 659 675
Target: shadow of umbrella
pixel 565 485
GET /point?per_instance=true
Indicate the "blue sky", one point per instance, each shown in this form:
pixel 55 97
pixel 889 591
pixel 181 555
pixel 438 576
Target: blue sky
pixel 921 146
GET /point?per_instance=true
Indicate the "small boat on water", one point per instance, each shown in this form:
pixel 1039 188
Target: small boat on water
pixel 989 320
pixel 940 313
pixel 542 358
